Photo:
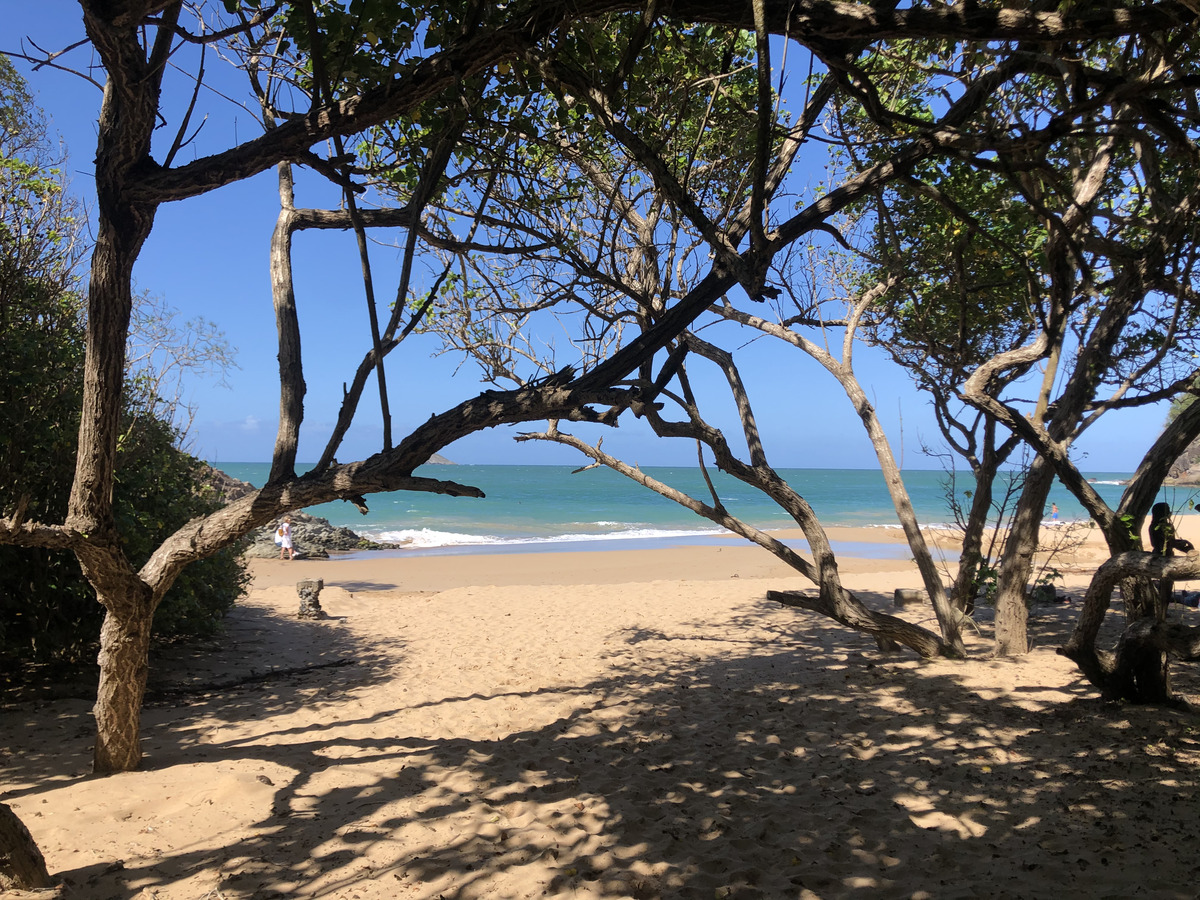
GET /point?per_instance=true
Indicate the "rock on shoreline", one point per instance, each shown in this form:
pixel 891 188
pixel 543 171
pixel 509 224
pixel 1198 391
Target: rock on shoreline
pixel 312 536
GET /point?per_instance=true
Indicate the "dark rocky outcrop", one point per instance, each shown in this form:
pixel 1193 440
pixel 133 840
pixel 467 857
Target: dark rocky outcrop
pixel 224 487
pixel 1186 469
pixel 312 536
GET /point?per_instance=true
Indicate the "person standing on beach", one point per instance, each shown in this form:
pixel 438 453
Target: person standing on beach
pixel 1054 511
pixel 286 549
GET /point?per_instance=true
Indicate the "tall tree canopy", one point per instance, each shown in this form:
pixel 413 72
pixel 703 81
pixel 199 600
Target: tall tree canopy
pixel 1042 286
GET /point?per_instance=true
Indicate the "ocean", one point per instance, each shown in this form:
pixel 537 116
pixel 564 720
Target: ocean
pixel 543 508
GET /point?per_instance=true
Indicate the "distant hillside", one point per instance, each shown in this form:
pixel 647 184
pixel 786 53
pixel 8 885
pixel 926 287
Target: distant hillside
pixel 438 460
pixel 1186 469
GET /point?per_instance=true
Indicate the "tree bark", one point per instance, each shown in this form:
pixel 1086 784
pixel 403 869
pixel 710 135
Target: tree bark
pixel 947 616
pixel 1141 671
pixel 1016 565
pixel 287 325
pixel 840 605
pixel 22 866
pixel 127 120
pixel 124 668
pixel 966 582
pixel 1137 671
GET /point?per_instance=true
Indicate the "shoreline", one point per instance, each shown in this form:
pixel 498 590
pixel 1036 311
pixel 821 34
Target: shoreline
pixel 873 545
pixel 860 550
pixel 531 504
pixel 728 557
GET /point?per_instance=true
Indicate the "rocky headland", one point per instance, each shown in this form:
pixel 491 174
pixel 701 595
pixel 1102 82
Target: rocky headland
pixel 312 536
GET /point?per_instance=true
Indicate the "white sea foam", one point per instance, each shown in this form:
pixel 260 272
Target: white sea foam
pixel 427 537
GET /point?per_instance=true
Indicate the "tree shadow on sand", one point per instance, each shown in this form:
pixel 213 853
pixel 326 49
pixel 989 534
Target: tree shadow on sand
pixel 263 665
pixel 760 761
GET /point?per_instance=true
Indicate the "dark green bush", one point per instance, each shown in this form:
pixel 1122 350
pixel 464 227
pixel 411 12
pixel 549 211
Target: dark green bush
pixel 48 612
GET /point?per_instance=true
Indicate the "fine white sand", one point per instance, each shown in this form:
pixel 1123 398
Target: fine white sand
pixel 621 724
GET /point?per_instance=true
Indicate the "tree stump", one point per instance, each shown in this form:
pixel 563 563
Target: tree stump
pixel 310 599
pixel 907 597
pixel 22 866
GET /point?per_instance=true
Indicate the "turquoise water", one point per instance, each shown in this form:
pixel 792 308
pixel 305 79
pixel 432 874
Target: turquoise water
pixel 541 507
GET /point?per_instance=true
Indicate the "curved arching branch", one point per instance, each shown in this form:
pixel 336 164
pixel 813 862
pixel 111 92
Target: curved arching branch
pixel 1117 673
pixel 832 599
pixel 386 471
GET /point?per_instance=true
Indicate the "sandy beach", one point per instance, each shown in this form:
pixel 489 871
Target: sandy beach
pixel 635 724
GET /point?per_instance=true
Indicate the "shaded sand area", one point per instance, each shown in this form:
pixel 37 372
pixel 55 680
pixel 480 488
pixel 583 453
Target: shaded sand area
pixel 622 724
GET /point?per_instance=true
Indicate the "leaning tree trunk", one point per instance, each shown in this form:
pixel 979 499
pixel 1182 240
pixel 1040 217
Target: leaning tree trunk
pixel 22 866
pixel 966 583
pixel 832 600
pixel 1016 565
pixel 837 603
pixel 948 618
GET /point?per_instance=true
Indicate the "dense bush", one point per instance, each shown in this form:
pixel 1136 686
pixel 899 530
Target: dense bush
pixel 47 609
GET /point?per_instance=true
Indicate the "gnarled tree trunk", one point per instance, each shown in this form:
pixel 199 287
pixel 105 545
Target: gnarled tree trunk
pixel 1137 670
pixel 126 125
pixel 124 668
pixel 966 581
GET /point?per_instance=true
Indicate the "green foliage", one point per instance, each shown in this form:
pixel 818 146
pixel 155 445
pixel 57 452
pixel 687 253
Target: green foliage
pixel 967 243
pixel 47 609
pixel 1128 526
pixel 159 488
pixel 970 234
pixel 1180 403
pixel 362 43
pixel 987 582
pixel 1049 576
pixel 540 173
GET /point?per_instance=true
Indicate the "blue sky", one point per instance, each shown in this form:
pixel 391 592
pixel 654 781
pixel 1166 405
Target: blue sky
pixel 208 257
